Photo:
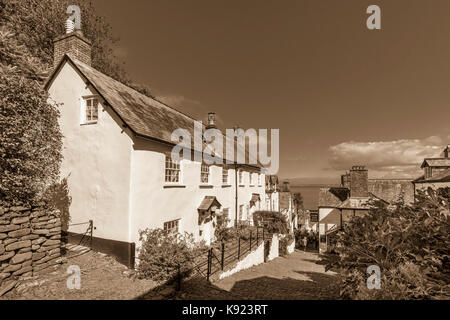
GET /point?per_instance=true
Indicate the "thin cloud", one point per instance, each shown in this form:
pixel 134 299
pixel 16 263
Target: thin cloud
pixel 397 158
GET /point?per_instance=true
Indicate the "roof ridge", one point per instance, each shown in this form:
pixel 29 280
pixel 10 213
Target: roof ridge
pixel 127 85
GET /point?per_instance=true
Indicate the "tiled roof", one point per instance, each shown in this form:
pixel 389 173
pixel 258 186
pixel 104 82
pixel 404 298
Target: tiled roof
pixel 208 202
pixel 329 198
pixel 360 203
pixel 443 176
pixel 436 162
pixel 144 115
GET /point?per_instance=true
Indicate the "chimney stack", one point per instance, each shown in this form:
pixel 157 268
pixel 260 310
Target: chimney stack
pixel 73 43
pixel 447 152
pixel 359 182
pixel 345 180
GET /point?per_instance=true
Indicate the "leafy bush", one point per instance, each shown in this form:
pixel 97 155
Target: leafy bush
pixel 222 232
pixel 273 221
pixel 30 140
pixel 163 255
pixel 410 244
pixel 284 242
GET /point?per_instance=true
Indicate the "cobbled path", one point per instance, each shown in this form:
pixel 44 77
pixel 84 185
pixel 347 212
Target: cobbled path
pixel 298 276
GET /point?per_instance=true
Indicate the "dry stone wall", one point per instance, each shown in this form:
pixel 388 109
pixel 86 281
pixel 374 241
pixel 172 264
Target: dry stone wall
pixel 30 240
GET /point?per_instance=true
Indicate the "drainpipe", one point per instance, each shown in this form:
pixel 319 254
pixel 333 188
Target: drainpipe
pixel 236 195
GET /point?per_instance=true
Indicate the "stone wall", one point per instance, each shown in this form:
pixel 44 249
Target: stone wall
pixel 274 250
pixel 30 240
pixel 252 259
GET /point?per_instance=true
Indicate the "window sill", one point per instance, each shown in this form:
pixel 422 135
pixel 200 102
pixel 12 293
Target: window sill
pixel 242 185
pixel 252 185
pixel 226 185
pixel 205 186
pixel 172 186
pixel 88 123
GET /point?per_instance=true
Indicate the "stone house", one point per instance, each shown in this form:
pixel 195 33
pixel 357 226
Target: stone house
pixel 272 193
pixel 116 150
pixel 436 172
pixel 353 197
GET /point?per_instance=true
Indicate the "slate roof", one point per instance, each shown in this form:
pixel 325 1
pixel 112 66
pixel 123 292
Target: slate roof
pixel 208 202
pixel 145 116
pixel 443 176
pixel 436 162
pixel 328 197
pixel 356 203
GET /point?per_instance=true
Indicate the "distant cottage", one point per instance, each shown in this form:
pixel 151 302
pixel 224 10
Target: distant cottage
pixel 354 197
pixel 436 172
pixel 116 149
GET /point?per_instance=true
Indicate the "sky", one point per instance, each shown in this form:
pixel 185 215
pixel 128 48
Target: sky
pixel 340 94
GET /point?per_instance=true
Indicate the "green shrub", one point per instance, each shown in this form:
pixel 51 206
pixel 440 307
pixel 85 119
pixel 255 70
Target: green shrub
pixel 223 233
pixel 410 244
pixel 163 255
pixel 273 221
pixel 30 139
pixel 284 242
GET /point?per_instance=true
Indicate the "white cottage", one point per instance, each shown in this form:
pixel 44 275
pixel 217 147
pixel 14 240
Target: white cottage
pixel 116 149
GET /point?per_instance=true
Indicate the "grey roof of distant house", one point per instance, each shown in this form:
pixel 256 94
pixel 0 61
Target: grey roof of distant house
pixel 443 176
pixel 436 162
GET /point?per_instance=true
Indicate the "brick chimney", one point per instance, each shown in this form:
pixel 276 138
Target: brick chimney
pixel 345 180
pixel 75 45
pixel 359 182
pixel 447 152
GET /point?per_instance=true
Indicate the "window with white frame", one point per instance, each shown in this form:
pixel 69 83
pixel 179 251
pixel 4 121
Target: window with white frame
pixel 225 176
pixel 241 177
pixel 89 112
pixel 204 173
pixel 172 174
pixel 171 226
pixel 260 179
pixel 252 178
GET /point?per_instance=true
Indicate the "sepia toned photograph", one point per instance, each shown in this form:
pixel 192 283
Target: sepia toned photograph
pixel 220 156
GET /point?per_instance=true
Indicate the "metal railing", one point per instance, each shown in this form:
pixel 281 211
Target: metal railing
pixel 87 233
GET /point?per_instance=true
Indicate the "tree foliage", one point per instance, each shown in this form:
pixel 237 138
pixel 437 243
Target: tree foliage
pixel 273 221
pixel 30 139
pixel 410 244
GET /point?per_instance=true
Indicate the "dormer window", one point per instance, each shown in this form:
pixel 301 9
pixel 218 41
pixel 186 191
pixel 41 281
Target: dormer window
pixel 89 110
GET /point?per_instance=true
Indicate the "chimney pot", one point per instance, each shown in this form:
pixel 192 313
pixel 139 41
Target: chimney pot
pixel 211 121
pixel 447 152
pixel 70 26
pixel 72 43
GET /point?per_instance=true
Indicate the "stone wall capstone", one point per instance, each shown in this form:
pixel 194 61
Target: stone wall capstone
pixel 30 240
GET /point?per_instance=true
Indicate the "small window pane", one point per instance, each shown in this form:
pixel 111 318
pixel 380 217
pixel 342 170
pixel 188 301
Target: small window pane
pixel 204 173
pixel 172 172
